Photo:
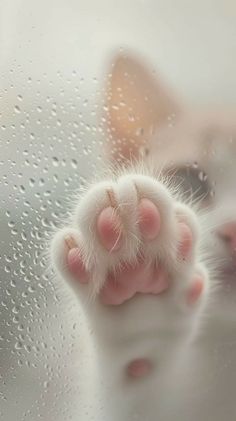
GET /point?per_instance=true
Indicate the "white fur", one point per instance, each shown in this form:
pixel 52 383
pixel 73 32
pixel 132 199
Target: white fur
pixel 157 327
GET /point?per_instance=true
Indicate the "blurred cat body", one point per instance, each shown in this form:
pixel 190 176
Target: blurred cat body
pixel 197 147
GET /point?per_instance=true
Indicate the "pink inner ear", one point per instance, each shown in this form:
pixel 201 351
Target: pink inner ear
pixel 138 103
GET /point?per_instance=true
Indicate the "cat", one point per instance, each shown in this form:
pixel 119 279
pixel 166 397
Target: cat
pixel 140 250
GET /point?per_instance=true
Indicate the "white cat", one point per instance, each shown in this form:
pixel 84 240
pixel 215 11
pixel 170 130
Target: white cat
pixel 139 258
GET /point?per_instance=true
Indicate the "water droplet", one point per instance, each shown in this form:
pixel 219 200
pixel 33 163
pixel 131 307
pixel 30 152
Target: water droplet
pixel 15 310
pixel 45 384
pixel 74 163
pixel 55 161
pixel 17 109
pixel 18 345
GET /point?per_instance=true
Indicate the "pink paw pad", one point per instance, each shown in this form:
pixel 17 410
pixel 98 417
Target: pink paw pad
pixel 149 219
pixel 133 280
pixel 109 229
pixel 74 260
pixel 186 240
pixel 195 290
pixel 109 225
pixel 138 368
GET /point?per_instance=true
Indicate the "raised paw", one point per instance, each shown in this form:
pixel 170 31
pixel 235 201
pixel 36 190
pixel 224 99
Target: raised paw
pixel 131 237
pixel 132 256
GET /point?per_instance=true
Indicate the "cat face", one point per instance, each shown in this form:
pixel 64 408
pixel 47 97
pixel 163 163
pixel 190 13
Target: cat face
pixel 200 149
pixel 196 147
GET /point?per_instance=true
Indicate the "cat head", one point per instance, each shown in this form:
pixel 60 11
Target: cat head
pixel 197 146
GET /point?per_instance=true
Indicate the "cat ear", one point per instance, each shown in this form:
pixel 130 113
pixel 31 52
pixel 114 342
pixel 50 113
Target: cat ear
pixel 137 105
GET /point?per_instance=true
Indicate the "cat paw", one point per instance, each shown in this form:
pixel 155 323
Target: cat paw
pixel 128 238
pixel 131 254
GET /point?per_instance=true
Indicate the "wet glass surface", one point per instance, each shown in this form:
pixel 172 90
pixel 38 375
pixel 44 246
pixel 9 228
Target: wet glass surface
pixel 54 66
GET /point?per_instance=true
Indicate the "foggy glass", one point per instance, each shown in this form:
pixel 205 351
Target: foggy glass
pixel 54 62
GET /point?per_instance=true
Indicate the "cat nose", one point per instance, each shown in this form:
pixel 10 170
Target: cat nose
pixel 227 233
